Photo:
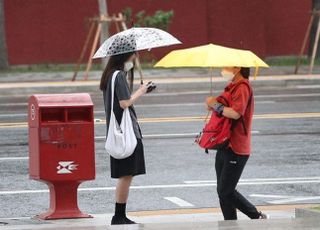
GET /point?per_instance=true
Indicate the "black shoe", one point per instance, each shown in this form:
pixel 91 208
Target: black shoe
pixel 128 221
pixel 116 220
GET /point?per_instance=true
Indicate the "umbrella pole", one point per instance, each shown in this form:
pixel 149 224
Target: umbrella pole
pixel 256 72
pixel 211 76
pixel 138 63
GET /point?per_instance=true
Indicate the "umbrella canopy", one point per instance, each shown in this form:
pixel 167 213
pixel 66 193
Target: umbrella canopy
pixel 135 39
pixel 211 56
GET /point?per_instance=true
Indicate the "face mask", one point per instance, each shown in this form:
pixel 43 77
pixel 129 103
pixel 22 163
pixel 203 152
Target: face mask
pixel 128 66
pixel 227 75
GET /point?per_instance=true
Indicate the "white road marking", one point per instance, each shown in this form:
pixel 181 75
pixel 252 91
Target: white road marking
pixel 191 104
pixel 178 105
pixel 14 115
pixel 179 202
pixel 256 96
pixel 256 179
pixel 268 196
pixel 160 135
pixel 167 105
pixel 14 104
pixel 185 104
pixel 281 199
pixel 293 200
pixel 13 158
pixel 288 95
pixel 307 87
pixel 168 186
pixel 166 135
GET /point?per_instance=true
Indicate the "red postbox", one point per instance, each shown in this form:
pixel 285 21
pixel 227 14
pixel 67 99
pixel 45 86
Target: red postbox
pixel 61 148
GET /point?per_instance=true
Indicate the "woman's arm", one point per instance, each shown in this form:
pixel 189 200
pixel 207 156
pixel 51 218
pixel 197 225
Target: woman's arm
pixel 230 113
pixel 134 97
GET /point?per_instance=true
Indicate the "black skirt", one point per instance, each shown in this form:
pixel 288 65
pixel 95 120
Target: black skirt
pixel 131 166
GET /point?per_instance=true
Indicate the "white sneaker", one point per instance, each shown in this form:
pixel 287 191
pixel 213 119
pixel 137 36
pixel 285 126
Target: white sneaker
pixel 264 216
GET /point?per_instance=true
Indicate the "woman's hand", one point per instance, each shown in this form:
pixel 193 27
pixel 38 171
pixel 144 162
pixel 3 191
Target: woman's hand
pixel 143 89
pixel 210 101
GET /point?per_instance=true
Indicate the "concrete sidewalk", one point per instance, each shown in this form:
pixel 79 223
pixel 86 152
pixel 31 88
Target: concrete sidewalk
pixel 281 217
pixel 148 73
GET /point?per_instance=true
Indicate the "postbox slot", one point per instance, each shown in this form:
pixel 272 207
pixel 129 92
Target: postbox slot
pixel 52 115
pixel 79 114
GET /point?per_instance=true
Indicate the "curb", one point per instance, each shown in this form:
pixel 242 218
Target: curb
pixel 167 84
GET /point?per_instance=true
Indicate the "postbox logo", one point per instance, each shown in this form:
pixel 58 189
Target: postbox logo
pixel 66 167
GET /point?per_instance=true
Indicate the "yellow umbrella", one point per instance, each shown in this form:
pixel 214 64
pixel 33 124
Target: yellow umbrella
pixel 211 56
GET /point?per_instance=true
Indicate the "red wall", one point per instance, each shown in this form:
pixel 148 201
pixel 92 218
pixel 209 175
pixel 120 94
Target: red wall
pixel 43 31
pixel 46 31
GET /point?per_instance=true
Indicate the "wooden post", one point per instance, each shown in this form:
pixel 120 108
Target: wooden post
pixel 304 43
pixel 83 51
pixel 95 31
pixel 94 46
pixel 315 47
pixel 3 47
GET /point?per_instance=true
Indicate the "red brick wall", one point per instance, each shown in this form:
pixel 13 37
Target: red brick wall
pixel 43 31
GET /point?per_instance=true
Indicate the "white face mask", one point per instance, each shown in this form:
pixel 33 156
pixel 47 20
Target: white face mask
pixel 128 66
pixel 227 75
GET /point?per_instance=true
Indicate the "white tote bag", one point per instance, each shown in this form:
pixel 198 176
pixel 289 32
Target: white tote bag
pixel 121 139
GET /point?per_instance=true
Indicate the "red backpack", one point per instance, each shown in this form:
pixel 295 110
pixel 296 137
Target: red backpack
pixel 216 133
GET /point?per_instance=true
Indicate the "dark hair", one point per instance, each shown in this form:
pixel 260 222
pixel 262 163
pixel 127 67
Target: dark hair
pixel 245 72
pixel 115 62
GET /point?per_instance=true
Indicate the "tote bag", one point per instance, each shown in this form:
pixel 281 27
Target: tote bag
pixel 121 139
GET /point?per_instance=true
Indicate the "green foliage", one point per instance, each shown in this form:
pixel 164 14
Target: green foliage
pixel 289 61
pixel 316 208
pixel 160 19
pixel 127 13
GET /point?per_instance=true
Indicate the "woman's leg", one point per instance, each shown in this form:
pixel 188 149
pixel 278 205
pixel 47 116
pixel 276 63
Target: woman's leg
pixel 225 186
pixel 245 206
pixel 229 197
pixel 122 194
pixel 122 189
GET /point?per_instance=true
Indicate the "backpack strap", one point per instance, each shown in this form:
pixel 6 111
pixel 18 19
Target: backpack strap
pixel 249 101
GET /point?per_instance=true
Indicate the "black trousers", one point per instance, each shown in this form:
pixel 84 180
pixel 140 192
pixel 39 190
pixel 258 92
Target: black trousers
pixel 229 167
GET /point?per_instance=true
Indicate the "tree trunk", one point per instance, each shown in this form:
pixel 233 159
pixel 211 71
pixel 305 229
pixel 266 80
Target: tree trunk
pixel 103 10
pixel 3 46
pixel 315 6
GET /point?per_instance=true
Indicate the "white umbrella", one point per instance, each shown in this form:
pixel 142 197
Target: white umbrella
pixel 135 39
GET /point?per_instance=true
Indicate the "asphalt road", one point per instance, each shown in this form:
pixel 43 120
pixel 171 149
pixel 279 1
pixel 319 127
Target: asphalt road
pixel 283 168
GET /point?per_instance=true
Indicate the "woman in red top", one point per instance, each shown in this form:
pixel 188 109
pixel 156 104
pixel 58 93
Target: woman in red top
pixel 231 160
